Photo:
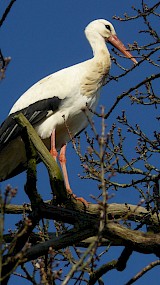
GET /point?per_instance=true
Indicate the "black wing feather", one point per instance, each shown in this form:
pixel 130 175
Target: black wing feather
pixel 35 113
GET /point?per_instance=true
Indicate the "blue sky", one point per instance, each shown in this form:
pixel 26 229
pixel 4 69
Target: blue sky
pixel 45 36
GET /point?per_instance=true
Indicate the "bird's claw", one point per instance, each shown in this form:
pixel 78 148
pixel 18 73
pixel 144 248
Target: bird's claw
pixel 81 199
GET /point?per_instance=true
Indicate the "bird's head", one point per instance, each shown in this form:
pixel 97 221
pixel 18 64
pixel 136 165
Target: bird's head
pixel 106 30
pixel 102 27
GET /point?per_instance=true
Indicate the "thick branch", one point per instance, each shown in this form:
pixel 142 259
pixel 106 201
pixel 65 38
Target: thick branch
pixel 70 238
pixel 53 169
pixel 136 240
pixel 114 211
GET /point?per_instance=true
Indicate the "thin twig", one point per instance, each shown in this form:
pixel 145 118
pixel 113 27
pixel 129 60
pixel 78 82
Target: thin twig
pixel 6 12
pixel 143 271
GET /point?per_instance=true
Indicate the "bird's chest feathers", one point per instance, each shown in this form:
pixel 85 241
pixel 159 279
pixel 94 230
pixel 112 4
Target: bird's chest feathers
pixel 95 77
pixel 73 107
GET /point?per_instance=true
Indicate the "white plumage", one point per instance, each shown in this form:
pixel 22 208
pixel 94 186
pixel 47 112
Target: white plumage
pixel 60 97
pixel 64 84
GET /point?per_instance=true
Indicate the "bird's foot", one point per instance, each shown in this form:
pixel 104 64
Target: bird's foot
pixel 81 199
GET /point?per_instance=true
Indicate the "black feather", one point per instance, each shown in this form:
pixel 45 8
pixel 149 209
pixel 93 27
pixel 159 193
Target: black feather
pixel 35 113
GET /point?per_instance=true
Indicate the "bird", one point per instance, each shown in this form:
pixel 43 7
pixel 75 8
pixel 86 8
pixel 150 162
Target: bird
pixel 55 105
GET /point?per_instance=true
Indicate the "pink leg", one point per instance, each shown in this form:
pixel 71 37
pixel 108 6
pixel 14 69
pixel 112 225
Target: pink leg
pixel 53 150
pixel 62 160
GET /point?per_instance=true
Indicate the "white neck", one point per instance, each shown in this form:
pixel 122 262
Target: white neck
pixel 98 45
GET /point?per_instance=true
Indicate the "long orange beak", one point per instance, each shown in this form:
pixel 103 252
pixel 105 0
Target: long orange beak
pixel 119 45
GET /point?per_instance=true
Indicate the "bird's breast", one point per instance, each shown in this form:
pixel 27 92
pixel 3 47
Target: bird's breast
pixel 95 77
pixel 69 120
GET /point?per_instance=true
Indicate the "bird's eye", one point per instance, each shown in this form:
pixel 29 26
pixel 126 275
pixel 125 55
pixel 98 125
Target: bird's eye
pixel 108 27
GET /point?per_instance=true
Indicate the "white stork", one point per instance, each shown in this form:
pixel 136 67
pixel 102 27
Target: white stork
pixel 58 100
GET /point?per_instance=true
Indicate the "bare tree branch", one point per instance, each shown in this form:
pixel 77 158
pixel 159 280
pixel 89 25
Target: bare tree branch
pixel 5 14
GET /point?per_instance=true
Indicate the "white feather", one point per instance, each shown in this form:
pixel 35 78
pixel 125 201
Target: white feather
pixel 76 86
